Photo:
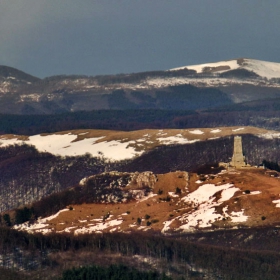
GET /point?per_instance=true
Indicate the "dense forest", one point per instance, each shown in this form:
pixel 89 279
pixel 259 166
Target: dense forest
pixel 117 272
pixel 178 257
pixel 266 115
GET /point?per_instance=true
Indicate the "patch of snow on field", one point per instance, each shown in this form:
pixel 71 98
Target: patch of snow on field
pixel 205 193
pixel 215 131
pixel 227 194
pixel 69 229
pixel 205 213
pixel 255 192
pixel 98 227
pixel 40 224
pixel 237 129
pixel 147 197
pixel 172 194
pixel 238 217
pixel 277 202
pixel 196 131
pixel 174 140
pixel 63 145
pixel 203 217
pixel 166 226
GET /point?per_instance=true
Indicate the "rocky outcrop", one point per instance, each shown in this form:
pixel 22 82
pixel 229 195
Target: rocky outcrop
pixel 145 179
pixel 116 187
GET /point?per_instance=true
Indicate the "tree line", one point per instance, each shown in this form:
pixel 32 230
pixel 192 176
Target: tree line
pixel 113 272
pixel 225 263
pixel 139 119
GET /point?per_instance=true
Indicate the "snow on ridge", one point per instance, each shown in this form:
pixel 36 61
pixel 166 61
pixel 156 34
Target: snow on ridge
pixel 238 129
pixel 174 140
pixel 270 135
pixel 232 64
pixel 265 69
pixel 262 68
pixel 63 145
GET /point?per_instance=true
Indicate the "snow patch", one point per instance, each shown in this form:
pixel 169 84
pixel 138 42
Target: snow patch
pixel 196 131
pixel 238 129
pixel 277 202
pixel 172 194
pixel 174 140
pixel 215 131
pixel 255 192
pixel 63 145
pixel 99 227
pixel 40 224
pixel 205 192
pixel 238 217
pixel 264 69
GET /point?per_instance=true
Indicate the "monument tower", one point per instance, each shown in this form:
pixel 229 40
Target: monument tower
pixel 238 160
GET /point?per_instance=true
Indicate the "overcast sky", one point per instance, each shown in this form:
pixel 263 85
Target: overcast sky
pixel 51 37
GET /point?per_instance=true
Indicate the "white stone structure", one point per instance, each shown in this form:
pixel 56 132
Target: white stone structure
pixel 238 159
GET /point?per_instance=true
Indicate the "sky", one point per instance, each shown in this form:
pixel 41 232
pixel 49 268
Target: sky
pixel 98 37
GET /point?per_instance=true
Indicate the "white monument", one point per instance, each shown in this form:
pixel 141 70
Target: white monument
pixel 238 159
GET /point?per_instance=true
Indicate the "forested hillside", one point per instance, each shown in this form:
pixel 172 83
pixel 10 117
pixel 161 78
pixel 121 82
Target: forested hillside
pixel 27 175
pixel 47 256
pixel 265 114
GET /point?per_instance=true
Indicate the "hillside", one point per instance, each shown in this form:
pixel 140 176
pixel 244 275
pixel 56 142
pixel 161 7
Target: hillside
pixel 120 145
pixel 12 79
pixel 169 203
pixel 64 206
pixel 64 158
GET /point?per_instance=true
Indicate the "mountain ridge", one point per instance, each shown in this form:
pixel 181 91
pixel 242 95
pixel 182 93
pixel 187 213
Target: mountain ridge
pixel 265 69
pixel 193 87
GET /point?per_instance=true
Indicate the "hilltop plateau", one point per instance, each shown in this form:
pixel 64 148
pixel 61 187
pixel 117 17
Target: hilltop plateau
pixel 120 145
pixel 174 202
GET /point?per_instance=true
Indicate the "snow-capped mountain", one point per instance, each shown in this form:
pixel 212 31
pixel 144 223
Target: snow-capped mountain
pixel 261 68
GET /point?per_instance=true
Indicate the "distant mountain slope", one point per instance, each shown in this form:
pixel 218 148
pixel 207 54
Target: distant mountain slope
pixel 186 88
pixel 12 79
pixel 15 74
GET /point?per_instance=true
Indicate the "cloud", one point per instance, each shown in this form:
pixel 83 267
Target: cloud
pixel 23 23
pixel 48 37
